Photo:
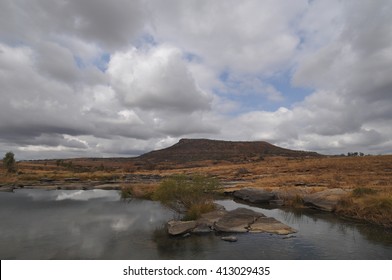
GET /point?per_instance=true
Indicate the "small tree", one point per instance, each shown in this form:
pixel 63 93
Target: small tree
pixel 9 162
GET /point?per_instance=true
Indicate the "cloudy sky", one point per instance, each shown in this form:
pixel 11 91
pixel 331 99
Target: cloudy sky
pixel 119 78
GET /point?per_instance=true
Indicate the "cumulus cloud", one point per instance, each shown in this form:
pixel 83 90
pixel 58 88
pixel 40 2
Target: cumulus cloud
pixel 109 24
pixel 156 79
pixel 104 78
pixel 351 73
pixel 253 36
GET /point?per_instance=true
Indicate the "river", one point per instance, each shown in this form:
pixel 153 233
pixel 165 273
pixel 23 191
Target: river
pixel 98 224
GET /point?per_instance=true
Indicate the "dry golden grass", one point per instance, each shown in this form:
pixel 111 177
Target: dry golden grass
pixel 374 207
pixel 138 190
pixel 327 172
pixel 294 176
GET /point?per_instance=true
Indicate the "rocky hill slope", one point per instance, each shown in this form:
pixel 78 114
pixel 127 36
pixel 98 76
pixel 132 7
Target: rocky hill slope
pixel 187 150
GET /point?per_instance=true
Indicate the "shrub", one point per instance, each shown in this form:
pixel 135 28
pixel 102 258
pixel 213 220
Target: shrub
pixel 192 195
pixel 298 201
pixel 196 210
pixel 361 191
pixel 143 191
pixel 9 162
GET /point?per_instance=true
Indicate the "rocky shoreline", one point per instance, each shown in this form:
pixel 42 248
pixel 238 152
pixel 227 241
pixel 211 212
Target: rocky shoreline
pixel 325 200
pixel 242 220
pixel 64 186
pixel 75 183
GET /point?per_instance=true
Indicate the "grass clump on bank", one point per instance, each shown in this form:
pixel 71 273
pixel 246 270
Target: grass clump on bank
pixel 362 191
pixel 142 191
pixel 189 195
pixel 368 205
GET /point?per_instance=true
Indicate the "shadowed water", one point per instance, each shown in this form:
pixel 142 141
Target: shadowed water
pixel 98 224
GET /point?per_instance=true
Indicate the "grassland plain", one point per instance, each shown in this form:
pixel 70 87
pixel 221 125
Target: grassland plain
pixel 367 179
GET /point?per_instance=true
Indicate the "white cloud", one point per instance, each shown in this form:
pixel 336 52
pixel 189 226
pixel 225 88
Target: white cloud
pixel 156 79
pixel 109 24
pixel 251 37
pixel 124 77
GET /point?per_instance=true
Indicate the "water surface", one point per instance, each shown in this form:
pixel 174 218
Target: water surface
pixel 98 224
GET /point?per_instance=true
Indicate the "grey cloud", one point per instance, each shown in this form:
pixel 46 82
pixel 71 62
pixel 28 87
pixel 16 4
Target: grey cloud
pixel 354 67
pixel 57 97
pixel 109 23
pixel 190 124
pixel 251 37
pixel 57 61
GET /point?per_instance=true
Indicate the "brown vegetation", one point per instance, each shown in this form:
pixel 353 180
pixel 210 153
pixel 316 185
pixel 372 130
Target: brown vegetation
pixel 367 178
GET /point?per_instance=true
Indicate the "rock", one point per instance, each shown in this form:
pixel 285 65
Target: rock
pixel 230 238
pixel 210 218
pixel 277 202
pixel 7 188
pixel 108 187
pixel 72 179
pixel 46 180
pixel 202 228
pixel 326 200
pixel 270 225
pixel 289 236
pixel 180 227
pixel 254 195
pixel 237 220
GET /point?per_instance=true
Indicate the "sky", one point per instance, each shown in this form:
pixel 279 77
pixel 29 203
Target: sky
pixel 97 78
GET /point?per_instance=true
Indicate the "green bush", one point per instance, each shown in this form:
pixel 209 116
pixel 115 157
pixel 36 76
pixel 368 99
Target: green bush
pixel 192 195
pixel 361 191
pixel 9 162
pixel 196 210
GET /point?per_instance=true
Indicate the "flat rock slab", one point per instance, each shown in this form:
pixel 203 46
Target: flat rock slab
pixel 211 218
pixel 237 220
pixel 270 225
pixel 253 195
pixel 180 227
pixel 326 200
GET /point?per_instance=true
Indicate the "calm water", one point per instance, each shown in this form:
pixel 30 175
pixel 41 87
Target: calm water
pixel 97 224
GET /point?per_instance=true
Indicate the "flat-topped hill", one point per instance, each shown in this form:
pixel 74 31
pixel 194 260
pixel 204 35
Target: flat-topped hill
pixel 204 149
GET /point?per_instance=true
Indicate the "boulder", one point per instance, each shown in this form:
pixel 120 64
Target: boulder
pixel 237 220
pixel 326 200
pixel 180 227
pixel 255 195
pixel 270 225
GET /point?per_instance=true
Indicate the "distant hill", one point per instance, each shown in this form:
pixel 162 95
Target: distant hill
pixel 187 150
